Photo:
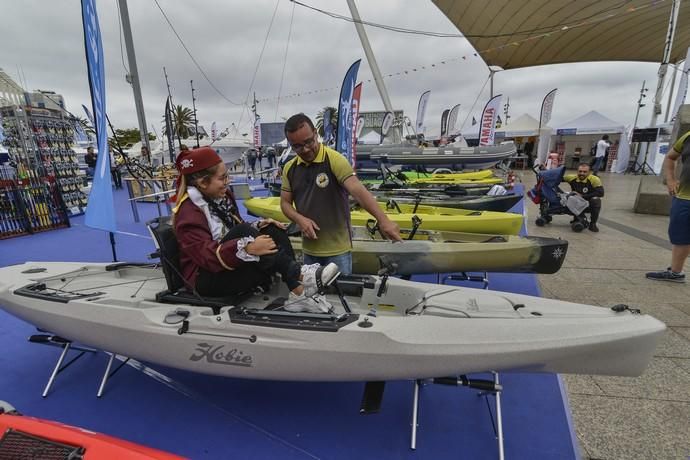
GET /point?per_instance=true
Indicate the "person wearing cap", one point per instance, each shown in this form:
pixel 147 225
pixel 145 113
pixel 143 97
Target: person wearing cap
pixel 221 255
pixel 314 195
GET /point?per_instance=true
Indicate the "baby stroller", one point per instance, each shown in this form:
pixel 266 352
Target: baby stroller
pixel 553 201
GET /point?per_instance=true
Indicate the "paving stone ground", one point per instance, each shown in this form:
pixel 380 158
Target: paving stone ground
pixel 647 417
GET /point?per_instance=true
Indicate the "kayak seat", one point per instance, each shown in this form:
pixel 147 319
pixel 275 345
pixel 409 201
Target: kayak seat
pixel 178 292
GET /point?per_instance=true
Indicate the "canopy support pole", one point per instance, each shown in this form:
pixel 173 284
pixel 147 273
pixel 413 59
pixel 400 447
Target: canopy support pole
pixel 373 65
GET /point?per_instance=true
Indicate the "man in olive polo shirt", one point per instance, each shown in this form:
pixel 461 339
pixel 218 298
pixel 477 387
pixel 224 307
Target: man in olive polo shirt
pixel 679 224
pixel 314 195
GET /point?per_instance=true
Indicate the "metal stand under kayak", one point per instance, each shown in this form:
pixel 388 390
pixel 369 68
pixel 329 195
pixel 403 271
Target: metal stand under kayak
pixel 67 345
pixel 487 387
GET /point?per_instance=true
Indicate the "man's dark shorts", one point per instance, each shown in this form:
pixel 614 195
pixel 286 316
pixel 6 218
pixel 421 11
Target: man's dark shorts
pixel 679 225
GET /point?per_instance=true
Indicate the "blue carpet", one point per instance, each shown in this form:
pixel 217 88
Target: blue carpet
pixel 201 416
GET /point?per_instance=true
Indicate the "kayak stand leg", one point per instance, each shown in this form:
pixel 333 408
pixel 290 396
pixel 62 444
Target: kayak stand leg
pixel 498 426
pixel 57 369
pixel 107 374
pixel 486 387
pixel 66 346
pixel 415 414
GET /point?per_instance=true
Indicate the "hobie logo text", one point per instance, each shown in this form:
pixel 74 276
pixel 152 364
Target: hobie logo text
pixel 218 355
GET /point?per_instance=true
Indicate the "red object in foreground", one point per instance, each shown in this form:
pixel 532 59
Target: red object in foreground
pixel 29 437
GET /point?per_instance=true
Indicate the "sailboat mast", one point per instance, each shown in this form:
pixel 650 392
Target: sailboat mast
pixel 133 76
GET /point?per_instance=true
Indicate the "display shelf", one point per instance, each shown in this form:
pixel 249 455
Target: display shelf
pixel 40 144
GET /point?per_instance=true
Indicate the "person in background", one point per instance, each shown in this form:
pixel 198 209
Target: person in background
pixel 600 155
pixel 116 162
pixel 145 154
pixel 221 255
pixel 679 223
pixel 589 187
pixel 90 159
pixel 529 152
pixel 251 159
pixel 271 156
pixel 314 195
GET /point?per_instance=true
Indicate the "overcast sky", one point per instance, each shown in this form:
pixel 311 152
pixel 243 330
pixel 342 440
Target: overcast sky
pixel 45 40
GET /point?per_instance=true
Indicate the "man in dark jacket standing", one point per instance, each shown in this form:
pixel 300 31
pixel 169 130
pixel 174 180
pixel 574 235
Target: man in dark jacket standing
pixel 90 160
pixel 589 187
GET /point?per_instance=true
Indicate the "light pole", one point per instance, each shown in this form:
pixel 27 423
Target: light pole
pixel 506 108
pixel 634 169
pixel 639 103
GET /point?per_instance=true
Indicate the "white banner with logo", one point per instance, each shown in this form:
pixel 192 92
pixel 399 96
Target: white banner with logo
pixel 452 119
pixel 547 108
pixel 421 111
pixel 487 124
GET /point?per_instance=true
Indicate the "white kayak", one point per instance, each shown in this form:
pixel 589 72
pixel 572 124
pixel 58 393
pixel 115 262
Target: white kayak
pixel 419 330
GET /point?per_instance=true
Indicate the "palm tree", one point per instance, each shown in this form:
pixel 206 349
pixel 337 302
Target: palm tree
pixel 86 124
pixel 319 119
pixel 183 121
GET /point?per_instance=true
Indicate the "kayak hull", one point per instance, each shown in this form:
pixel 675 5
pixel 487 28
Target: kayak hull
pixel 433 218
pixel 419 331
pixel 94 446
pixel 497 203
pixel 449 252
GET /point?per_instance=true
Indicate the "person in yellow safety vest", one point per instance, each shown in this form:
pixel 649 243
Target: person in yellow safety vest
pixel 589 187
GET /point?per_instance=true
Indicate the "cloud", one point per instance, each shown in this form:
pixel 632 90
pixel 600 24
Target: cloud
pixel 227 38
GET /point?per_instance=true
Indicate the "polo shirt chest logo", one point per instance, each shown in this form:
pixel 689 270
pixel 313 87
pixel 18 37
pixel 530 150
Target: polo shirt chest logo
pixel 322 180
pixel 585 189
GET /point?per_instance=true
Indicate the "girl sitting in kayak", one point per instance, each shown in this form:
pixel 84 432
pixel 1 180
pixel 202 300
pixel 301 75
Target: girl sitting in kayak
pixel 221 255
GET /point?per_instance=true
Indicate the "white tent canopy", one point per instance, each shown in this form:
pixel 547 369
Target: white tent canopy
pixel 523 126
pixel 539 32
pixel 590 123
pixel 372 137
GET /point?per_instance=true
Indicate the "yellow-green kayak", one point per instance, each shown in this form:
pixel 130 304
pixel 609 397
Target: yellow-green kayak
pixel 469 175
pixel 432 251
pixel 485 176
pixel 453 179
pixel 433 217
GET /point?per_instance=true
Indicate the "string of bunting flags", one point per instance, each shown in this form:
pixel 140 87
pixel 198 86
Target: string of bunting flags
pixel 402 73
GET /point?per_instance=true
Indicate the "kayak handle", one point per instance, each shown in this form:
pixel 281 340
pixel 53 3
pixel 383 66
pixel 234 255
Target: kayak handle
pixel 463 380
pixel 373 227
pixel 392 204
pixel 416 222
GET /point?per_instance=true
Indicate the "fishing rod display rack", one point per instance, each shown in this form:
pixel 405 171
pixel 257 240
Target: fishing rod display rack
pixel 29 205
pixel 39 143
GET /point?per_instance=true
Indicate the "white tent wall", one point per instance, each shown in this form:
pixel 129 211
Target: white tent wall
pixel 579 146
pixel 580 134
pixel 623 156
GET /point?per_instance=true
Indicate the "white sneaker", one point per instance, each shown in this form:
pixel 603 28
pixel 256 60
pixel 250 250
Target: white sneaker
pixel 301 303
pixel 315 277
